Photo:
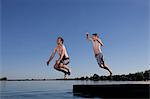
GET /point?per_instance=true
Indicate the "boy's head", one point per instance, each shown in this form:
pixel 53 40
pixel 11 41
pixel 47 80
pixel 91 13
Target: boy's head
pixel 94 36
pixel 60 40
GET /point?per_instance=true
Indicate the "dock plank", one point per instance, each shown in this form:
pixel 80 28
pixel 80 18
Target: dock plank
pixel 113 90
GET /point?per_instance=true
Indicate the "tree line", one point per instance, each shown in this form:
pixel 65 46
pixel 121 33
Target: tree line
pixel 139 76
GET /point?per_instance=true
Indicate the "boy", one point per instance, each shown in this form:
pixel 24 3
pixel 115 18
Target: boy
pixel 97 43
pixel 63 61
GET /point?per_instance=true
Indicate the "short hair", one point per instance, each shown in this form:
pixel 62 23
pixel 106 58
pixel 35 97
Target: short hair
pixel 95 34
pixel 61 39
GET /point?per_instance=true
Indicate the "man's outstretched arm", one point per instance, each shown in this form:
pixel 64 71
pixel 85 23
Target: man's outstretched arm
pixel 52 56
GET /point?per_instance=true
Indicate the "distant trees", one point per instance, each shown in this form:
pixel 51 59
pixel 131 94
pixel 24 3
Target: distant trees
pixel 139 76
pixel 3 78
pixel 146 75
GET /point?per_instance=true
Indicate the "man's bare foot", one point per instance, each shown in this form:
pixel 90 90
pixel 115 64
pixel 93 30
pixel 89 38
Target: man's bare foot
pixel 65 76
pixel 69 72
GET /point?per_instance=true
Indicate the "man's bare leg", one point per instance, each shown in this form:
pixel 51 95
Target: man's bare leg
pixel 60 69
pixel 65 76
pixel 65 67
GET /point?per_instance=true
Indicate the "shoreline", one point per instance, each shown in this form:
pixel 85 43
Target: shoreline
pixel 138 76
pixel 146 82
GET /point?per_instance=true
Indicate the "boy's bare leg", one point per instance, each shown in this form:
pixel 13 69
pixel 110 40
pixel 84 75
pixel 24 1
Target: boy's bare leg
pixel 106 67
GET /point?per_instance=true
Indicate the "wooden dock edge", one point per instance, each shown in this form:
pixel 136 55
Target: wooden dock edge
pixel 113 90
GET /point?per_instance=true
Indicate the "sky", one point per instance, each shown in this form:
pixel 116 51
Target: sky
pixel 29 29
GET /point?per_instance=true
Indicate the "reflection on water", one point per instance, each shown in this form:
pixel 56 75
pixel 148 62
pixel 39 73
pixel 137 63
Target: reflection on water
pixel 54 89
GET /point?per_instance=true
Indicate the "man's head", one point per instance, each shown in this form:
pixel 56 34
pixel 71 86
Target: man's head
pixel 60 40
pixel 94 36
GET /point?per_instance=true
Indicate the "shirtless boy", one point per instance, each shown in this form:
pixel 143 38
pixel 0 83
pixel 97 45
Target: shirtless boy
pixel 97 44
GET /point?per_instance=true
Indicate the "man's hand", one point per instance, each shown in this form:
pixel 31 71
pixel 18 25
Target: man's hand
pixel 48 62
pixel 58 61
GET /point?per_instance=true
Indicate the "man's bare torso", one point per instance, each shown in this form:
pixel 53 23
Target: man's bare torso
pixel 60 49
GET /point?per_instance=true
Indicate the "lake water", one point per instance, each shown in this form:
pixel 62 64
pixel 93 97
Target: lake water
pixel 53 89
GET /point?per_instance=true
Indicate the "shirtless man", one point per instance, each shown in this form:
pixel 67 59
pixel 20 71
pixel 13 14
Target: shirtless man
pixel 63 61
pixel 97 43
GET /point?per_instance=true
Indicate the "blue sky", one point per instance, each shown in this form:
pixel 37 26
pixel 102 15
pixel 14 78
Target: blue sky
pixel 0 38
pixel 30 29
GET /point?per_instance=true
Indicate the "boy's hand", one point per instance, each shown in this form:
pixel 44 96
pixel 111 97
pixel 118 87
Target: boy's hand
pixel 87 35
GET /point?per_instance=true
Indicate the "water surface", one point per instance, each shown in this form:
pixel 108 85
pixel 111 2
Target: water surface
pixel 53 89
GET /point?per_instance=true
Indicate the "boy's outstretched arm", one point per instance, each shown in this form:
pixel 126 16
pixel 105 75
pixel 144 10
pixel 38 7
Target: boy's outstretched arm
pixel 51 57
pixel 88 36
pixel 100 41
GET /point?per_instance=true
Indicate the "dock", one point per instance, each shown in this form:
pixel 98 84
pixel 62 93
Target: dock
pixel 112 90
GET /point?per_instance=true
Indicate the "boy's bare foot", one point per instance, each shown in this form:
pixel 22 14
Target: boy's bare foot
pixel 110 73
pixel 105 65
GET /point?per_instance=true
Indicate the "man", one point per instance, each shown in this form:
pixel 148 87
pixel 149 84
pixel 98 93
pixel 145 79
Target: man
pixel 97 43
pixel 63 61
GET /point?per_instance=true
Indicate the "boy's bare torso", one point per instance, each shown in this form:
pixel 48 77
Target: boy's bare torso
pixel 96 47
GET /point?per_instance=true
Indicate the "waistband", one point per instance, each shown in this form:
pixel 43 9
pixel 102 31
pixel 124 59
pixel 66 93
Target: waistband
pixel 97 54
